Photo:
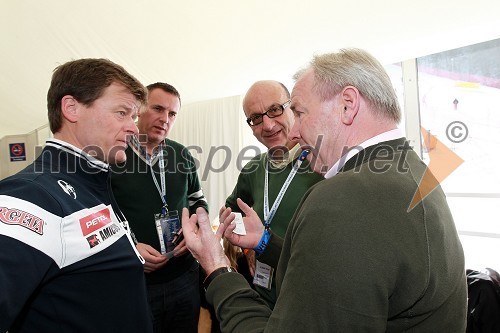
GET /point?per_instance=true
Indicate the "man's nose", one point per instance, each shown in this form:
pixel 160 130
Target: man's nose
pixel 294 134
pixel 267 123
pixel 132 127
pixel 164 118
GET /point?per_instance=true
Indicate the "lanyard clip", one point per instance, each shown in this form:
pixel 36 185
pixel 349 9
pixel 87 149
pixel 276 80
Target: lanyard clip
pixel 164 210
pixel 304 154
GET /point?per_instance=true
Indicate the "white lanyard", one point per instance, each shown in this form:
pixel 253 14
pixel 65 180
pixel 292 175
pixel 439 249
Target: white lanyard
pixel 268 215
pixel 162 190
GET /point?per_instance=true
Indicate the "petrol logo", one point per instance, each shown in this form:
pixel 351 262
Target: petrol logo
pixel 95 221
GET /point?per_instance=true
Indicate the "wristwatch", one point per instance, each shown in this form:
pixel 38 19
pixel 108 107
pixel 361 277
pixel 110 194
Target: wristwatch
pixel 216 273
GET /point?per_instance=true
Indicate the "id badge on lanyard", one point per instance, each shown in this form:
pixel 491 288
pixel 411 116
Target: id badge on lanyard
pixel 263 275
pixel 167 222
pixel 168 226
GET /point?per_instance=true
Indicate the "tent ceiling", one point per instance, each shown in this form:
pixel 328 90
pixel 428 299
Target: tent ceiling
pixel 212 49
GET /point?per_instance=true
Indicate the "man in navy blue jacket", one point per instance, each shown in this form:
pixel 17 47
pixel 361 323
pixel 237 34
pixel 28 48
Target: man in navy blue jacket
pixel 67 259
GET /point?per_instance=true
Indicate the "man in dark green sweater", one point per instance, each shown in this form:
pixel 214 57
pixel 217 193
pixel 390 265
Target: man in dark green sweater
pixel 275 180
pixel 356 256
pixel 160 177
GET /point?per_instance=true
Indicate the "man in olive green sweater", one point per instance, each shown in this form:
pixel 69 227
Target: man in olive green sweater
pixel 276 179
pixel 160 177
pixel 356 257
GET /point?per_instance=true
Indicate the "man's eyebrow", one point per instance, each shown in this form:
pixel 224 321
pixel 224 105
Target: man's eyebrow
pixel 158 106
pixel 128 108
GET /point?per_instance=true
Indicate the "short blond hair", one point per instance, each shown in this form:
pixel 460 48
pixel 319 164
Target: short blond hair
pixel 357 68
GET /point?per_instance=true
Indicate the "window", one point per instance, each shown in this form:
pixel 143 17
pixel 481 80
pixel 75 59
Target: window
pixel 459 100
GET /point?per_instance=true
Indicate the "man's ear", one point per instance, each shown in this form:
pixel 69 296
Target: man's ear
pixel 69 108
pixel 350 98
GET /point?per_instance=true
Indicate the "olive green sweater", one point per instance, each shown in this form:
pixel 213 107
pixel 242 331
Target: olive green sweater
pixel 139 199
pixel 250 189
pixel 354 259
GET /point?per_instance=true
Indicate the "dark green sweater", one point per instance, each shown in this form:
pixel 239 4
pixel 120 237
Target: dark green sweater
pixel 139 199
pixel 355 260
pixel 250 189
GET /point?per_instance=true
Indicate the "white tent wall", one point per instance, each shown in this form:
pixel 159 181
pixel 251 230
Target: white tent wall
pixel 214 49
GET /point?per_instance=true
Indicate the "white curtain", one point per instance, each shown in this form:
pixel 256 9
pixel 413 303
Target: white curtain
pixel 217 135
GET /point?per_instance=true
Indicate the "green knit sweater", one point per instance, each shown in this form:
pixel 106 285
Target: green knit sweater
pixel 139 199
pixel 355 260
pixel 250 189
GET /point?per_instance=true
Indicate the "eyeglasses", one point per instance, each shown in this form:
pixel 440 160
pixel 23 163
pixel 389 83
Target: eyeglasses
pixel 275 110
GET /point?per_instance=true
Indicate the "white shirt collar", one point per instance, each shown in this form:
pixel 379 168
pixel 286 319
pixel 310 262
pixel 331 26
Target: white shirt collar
pixel 69 148
pixel 386 136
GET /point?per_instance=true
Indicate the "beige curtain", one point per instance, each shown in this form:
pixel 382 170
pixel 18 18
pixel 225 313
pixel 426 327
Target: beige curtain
pixel 217 135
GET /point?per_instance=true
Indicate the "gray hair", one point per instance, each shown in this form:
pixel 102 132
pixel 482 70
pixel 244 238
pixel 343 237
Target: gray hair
pixel 357 68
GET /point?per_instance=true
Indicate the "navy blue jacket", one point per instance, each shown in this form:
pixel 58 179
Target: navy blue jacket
pixel 67 261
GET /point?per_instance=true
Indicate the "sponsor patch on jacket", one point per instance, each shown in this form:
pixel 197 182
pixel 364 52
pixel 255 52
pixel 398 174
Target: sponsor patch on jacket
pixel 95 221
pixel 103 234
pixel 15 216
pixel 98 227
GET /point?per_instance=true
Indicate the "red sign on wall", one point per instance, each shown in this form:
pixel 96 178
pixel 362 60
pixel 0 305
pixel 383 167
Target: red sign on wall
pixel 17 152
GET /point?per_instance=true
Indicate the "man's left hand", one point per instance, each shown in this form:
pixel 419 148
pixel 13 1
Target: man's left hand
pixel 204 245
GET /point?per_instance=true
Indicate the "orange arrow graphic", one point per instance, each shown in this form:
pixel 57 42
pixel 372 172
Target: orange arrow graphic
pixel 442 163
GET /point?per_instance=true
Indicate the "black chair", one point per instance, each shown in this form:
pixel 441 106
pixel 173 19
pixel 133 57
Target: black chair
pixel 483 308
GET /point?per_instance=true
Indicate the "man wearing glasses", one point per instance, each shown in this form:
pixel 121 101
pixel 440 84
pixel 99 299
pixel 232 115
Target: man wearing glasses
pixel 274 182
